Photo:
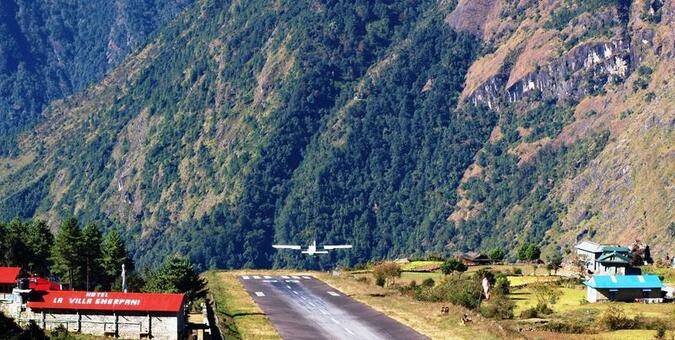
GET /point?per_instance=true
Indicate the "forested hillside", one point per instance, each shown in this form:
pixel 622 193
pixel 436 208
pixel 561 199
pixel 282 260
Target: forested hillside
pixel 403 127
pixel 50 49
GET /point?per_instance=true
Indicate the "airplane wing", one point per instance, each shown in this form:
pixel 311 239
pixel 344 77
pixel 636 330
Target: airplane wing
pixel 341 246
pixel 285 246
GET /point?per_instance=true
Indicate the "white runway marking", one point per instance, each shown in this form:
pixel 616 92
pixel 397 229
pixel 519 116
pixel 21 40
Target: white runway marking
pixel 245 277
pixel 306 277
pixel 259 293
pixel 292 281
pixel 333 293
pixel 296 277
pixel 289 287
pixel 285 277
pixel 256 277
pixel 270 281
pixel 337 322
pixel 268 277
pixel 348 331
pixel 295 292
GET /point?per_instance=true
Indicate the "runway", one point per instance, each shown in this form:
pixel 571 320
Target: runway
pixel 303 307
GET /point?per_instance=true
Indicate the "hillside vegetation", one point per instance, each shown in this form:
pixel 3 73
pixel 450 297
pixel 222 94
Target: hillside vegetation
pixel 51 49
pixel 392 125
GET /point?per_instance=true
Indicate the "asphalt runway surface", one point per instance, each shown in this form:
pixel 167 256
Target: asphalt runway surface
pixel 303 307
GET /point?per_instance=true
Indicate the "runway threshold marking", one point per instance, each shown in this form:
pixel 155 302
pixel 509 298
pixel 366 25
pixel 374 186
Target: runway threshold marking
pixel 270 281
pixel 259 294
pixel 257 277
pixel 333 293
pixel 245 277
pixel 267 277
pixel 306 277
pixel 292 281
pixel 296 277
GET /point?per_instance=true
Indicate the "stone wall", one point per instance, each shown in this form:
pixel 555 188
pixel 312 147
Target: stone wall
pixel 123 324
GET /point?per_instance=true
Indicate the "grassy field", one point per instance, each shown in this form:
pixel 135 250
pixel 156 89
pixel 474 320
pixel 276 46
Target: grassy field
pixel 238 315
pixel 421 265
pixel 572 300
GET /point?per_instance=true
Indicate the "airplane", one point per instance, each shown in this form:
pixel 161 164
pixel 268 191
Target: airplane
pixel 311 249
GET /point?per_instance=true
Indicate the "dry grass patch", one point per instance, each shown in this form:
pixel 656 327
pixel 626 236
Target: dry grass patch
pixel 238 315
pixel 425 317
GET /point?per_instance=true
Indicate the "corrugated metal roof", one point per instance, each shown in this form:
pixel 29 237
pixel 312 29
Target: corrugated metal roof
pixel 8 275
pixel 589 246
pixel 613 257
pixel 624 281
pixel 617 249
pixel 108 301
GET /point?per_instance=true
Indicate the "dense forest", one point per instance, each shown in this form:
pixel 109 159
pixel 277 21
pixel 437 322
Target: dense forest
pixel 50 49
pixel 243 124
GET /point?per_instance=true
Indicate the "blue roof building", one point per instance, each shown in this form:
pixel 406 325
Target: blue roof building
pixel 627 288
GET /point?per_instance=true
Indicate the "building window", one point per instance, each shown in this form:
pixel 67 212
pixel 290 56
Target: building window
pixel 645 293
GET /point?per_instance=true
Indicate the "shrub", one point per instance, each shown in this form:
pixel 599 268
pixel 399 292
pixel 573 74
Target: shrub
pixel 363 279
pixel 614 318
pixel 529 313
pixel 428 282
pixel 565 327
pixel 545 293
pixel 502 284
pixel 499 307
pixel 660 332
pixel 386 271
pixel 380 281
pixel 453 265
pixel 459 291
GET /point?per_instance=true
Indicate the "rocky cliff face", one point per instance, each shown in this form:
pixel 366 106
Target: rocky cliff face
pixel 614 65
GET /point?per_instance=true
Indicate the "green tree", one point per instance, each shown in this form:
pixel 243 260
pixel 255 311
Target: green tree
pixel 176 275
pixel 113 255
pixel 67 252
pixel 39 240
pixel 496 255
pixel 554 261
pixel 91 253
pixel 529 252
pixel 16 251
pixel 453 265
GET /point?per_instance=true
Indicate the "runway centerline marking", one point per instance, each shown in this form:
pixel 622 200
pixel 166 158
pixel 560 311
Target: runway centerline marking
pixel 289 287
pixel 259 294
pixel 295 292
pixel 348 330
pixel 337 322
pixel 333 293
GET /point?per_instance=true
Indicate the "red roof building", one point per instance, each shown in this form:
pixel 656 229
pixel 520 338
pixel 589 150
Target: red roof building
pixel 39 283
pixel 8 275
pixel 108 301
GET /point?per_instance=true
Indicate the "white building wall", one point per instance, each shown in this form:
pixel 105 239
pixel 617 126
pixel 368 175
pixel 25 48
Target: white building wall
pixel 125 325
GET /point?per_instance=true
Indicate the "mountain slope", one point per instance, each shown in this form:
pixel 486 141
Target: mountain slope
pixel 386 124
pixel 50 49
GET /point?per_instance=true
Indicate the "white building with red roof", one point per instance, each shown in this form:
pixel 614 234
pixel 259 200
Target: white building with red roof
pixel 115 314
